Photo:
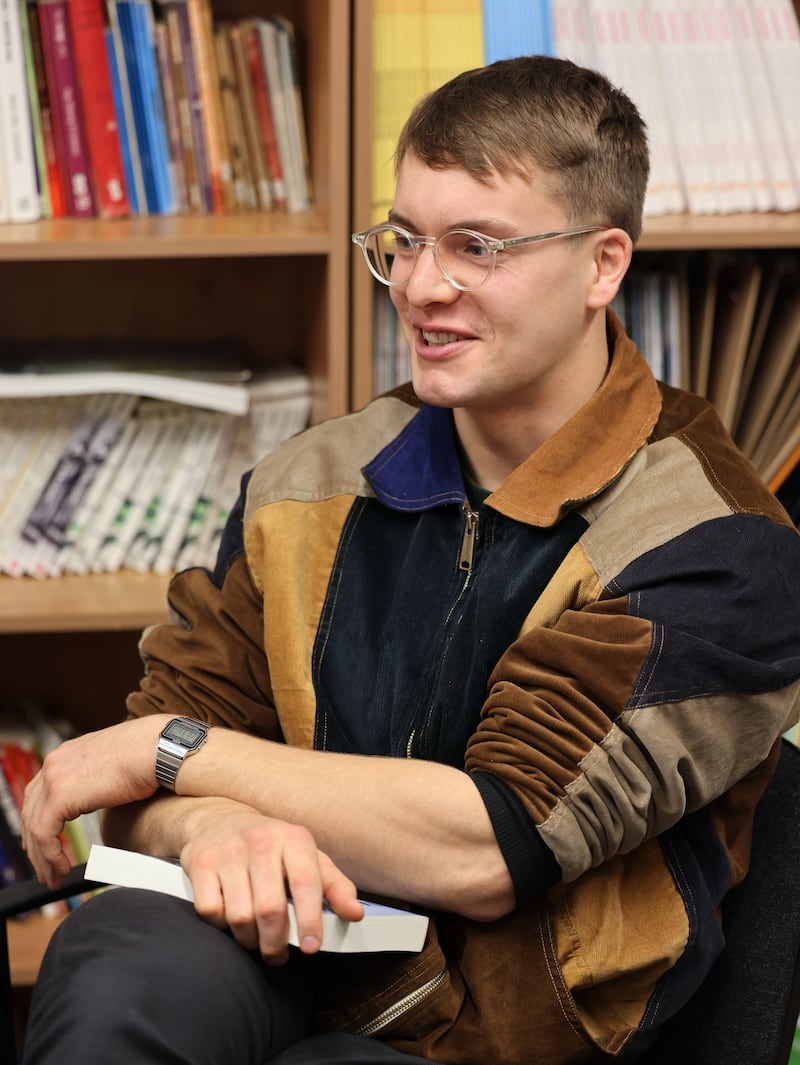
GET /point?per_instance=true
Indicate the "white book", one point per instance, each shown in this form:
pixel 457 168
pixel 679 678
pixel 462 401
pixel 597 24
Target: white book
pixel 383 928
pixel 684 105
pixel 210 392
pixel 626 54
pixel 778 33
pixel 99 540
pixel 21 182
pixel 205 440
pixel 279 97
pixel 739 114
pixel 572 35
pixel 295 114
pixel 144 494
pixel 784 187
pixel 63 419
pixel 714 108
pixel 85 518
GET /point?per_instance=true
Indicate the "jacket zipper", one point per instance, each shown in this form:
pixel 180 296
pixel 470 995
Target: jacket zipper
pixel 468 540
pixel 403 1005
pixel 465 560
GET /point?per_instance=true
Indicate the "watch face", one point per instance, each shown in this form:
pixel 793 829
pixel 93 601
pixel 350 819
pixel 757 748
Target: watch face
pixel 184 732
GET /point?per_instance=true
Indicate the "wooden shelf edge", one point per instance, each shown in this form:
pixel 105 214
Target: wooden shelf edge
pixel 687 232
pixel 101 602
pixel 206 236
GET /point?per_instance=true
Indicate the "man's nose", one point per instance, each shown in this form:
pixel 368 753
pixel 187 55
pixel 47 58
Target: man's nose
pixel 427 283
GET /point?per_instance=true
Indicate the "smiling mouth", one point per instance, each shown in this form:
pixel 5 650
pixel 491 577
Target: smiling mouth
pixel 439 338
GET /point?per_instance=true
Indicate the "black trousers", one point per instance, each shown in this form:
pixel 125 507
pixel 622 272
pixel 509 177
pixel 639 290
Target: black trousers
pixel 136 977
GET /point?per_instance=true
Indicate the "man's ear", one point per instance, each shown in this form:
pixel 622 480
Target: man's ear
pixel 613 249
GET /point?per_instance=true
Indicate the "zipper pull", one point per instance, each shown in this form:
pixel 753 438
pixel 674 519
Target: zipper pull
pixel 468 542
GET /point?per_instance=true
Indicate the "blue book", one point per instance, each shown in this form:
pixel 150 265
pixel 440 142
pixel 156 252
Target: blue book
pixel 155 112
pixel 125 134
pixel 516 27
pixel 147 104
pixel 124 22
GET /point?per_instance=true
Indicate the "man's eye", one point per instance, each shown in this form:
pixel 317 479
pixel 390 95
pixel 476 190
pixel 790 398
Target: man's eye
pixel 399 244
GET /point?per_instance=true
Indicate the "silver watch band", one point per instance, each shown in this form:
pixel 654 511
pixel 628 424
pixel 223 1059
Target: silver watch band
pixel 172 752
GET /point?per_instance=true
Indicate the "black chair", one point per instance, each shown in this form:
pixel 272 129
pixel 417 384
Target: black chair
pixel 745 1013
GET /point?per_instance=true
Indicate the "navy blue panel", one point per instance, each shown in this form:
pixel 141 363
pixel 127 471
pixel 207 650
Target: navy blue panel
pixel 699 866
pixel 232 543
pixel 720 621
pixel 420 468
pixel 407 641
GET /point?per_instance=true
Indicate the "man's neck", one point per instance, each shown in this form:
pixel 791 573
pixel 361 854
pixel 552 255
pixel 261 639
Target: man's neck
pixel 495 441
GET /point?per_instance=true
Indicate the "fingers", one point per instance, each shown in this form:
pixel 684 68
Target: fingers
pixel 41 835
pixel 245 883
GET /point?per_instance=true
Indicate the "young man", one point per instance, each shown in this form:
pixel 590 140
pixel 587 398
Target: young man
pixel 515 646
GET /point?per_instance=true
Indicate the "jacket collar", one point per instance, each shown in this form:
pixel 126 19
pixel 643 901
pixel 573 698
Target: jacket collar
pixel 420 468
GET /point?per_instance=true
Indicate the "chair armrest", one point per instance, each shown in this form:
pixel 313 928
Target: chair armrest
pixel 30 894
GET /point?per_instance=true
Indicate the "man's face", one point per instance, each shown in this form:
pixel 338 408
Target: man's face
pixel 522 336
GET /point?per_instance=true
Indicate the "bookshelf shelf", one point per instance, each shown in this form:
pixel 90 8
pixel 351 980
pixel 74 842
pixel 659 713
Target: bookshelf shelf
pixel 103 602
pixel 687 232
pixel 168 237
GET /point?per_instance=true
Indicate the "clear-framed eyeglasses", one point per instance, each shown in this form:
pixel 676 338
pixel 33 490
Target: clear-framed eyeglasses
pixel 465 258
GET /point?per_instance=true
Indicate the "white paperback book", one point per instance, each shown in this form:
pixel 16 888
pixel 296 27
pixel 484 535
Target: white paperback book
pixel 383 928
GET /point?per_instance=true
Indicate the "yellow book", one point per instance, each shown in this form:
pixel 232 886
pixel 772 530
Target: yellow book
pixel 417 46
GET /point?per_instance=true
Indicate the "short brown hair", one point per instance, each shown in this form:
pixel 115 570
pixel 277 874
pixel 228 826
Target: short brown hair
pixel 582 133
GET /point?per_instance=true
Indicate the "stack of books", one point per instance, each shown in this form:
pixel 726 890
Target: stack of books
pixel 112 108
pixel 100 476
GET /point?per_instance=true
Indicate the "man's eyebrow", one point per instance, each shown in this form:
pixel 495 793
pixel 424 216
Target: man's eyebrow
pixel 489 226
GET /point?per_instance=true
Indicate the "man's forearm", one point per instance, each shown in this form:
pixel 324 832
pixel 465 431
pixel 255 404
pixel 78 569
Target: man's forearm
pixel 411 829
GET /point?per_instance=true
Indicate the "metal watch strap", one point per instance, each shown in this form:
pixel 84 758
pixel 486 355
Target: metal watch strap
pixel 171 755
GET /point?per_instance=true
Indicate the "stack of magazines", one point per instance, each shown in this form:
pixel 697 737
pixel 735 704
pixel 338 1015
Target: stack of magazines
pixel 105 470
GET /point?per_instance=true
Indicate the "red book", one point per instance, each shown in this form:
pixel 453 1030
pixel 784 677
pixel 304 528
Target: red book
pixel 87 23
pixel 68 128
pixel 258 78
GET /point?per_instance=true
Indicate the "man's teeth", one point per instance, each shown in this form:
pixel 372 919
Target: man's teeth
pixel 440 338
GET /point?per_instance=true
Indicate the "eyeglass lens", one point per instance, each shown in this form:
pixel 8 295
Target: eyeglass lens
pixel 464 258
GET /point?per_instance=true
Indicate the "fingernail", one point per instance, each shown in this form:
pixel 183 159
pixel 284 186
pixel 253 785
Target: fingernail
pixel 309 944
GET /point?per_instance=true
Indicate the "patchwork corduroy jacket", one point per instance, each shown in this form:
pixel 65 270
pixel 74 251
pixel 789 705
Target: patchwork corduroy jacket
pixel 609 646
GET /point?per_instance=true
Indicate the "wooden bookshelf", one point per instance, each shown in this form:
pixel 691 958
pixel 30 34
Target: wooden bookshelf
pixel 276 283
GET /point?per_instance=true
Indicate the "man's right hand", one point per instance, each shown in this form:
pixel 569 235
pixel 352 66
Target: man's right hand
pixel 243 865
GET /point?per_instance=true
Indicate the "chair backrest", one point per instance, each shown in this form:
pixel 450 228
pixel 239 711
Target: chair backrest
pixel 746 1011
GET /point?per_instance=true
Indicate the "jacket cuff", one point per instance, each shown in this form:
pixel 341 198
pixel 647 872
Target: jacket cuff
pixel 531 864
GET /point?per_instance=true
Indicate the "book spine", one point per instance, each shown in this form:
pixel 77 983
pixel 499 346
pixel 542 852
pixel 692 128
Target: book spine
pixel 266 122
pixel 87 23
pixel 167 78
pixel 55 184
pixel 153 103
pixel 132 182
pixel 124 18
pixel 183 103
pixel 252 132
pixel 244 189
pixel 70 136
pixel 196 104
pixel 298 146
pixel 36 113
pixel 205 67
pixel 16 139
